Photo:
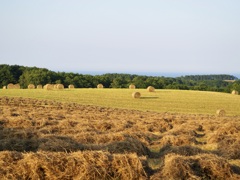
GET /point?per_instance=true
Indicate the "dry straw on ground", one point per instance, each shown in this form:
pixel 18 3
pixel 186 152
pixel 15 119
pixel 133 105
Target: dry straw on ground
pixel 175 140
pixel 45 139
pixel 232 151
pixel 203 166
pixel 99 86
pixel 221 112
pixel 31 86
pixel 71 86
pixel 132 86
pixel 136 94
pixel 235 92
pixel 77 165
pixel 150 89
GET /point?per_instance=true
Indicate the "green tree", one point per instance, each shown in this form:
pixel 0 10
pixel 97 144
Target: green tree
pixel 6 76
pixel 139 82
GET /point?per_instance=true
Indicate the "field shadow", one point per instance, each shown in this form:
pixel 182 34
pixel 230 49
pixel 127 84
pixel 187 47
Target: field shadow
pixel 184 150
pixel 149 97
pixel 235 169
pixel 25 140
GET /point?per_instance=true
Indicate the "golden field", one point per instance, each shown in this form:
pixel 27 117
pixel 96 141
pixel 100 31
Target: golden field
pixel 193 102
pixel 106 134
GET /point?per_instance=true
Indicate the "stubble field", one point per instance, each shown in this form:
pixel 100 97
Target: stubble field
pixel 105 134
pixel 187 102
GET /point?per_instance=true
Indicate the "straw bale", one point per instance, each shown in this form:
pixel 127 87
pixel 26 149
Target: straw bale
pixel 99 86
pixel 10 86
pixel 31 86
pixel 150 89
pixel 48 87
pixel 16 86
pixel 136 94
pixel 71 86
pixel 132 86
pixel 221 113
pixel 59 86
pixel 203 166
pixel 39 86
pixel 235 92
pixel 4 87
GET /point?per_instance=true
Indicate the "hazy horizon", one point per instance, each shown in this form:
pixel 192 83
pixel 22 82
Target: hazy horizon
pixel 187 37
pixel 165 74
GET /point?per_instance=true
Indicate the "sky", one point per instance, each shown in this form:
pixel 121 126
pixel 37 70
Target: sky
pixel 155 36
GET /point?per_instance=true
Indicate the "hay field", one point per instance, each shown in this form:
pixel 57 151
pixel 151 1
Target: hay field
pixel 107 134
pixel 193 102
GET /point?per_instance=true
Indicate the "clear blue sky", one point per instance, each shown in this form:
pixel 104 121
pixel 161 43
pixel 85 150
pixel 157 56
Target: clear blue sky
pixel 168 36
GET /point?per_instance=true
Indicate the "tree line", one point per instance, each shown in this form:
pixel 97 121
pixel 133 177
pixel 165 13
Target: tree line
pixel 33 75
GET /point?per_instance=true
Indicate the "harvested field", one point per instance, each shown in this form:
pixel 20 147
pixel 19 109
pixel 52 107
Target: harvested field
pixel 174 101
pixel 43 139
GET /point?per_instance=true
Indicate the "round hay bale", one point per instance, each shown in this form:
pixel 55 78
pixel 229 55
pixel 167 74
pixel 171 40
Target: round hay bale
pixel 132 86
pixel 48 87
pixel 31 86
pixel 221 112
pixel 39 86
pixel 16 86
pixel 136 95
pixel 60 86
pixel 99 86
pixel 55 86
pixel 235 92
pixel 150 89
pixel 71 86
pixel 4 87
pixel 10 86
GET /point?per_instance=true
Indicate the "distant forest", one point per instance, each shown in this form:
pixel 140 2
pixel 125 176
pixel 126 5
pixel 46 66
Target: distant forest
pixel 34 75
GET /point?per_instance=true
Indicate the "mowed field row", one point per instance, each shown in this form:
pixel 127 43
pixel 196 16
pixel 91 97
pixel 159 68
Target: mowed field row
pixel 179 101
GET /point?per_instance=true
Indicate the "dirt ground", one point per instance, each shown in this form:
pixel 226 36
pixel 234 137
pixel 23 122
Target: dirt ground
pixel 163 145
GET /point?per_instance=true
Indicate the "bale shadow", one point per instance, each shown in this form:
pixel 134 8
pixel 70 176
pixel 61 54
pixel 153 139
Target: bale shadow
pixel 149 97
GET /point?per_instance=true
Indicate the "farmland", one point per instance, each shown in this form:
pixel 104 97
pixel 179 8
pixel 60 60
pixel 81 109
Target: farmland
pixel 106 134
pixel 193 102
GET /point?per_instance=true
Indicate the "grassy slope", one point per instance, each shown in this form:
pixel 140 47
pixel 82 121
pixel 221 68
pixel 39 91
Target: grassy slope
pixel 160 101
